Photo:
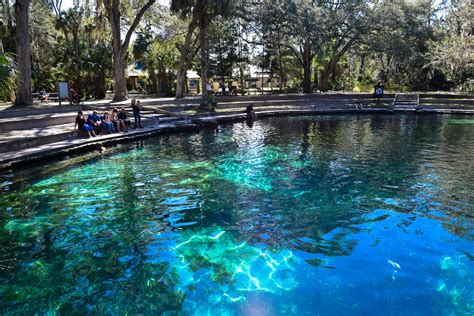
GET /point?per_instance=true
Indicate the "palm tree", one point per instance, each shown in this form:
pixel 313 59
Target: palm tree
pixel 8 75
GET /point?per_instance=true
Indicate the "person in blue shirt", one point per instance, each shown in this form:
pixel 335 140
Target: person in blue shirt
pixel 378 92
pixel 95 121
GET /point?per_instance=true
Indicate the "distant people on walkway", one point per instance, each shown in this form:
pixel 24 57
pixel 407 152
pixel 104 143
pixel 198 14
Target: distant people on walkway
pixel 222 88
pixel 137 108
pixel 43 95
pixel 378 92
pixel 83 126
pixel 95 121
pixel 122 115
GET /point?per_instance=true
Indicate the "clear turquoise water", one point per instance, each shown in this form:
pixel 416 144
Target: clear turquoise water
pixel 333 215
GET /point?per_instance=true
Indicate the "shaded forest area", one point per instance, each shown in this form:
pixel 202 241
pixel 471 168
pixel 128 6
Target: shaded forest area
pixel 417 45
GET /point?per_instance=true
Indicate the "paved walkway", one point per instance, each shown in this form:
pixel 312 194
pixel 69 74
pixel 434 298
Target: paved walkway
pixel 33 134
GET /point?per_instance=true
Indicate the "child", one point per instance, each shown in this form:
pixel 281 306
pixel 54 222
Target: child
pixel 136 107
pixel 107 123
pixel 82 125
pixel 95 121
pixel 119 125
pixel 122 116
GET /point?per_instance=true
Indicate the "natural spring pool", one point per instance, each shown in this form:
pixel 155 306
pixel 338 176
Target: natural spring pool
pixel 321 215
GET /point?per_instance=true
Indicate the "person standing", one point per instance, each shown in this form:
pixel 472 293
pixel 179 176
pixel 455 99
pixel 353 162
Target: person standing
pixel 136 108
pixel 378 92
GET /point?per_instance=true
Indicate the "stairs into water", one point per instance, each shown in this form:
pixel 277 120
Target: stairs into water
pixel 406 101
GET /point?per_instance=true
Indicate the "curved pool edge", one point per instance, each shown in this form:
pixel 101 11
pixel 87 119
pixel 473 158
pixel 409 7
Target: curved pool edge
pixel 54 151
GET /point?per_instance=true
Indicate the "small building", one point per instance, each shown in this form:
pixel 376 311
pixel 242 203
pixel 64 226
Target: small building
pixel 193 82
pixel 136 76
pixel 255 78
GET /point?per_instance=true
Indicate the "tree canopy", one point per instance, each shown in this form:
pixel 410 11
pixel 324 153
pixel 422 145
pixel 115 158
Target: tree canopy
pixel 307 45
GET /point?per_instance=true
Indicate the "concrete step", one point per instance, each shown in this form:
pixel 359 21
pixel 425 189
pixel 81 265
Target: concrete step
pixel 33 137
pixel 47 120
pixel 35 121
pixel 36 137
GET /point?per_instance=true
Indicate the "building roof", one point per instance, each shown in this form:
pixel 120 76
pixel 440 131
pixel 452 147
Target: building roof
pixel 135 69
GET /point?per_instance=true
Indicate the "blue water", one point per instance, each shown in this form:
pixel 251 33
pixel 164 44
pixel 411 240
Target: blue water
pixel 324 215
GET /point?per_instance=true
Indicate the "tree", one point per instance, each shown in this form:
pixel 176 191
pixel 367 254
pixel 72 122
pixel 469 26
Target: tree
pixel 453 55
pixel 224 49
pixel 187 52
pixel 114 15
pixel 8 75
pixel 304 31
pixel 156 49
pixel 344 25
pixel 205 12
pixel 23 94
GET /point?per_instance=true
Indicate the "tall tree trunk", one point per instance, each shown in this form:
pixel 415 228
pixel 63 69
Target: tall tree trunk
pixel 186 57
pixel 203 39
pixel 326 74
pixel 163 82
pixel 307 60
pixel 324 79
pixel 330 67
pixel 281 74
pixel 186 86
pixel 180 81
pixel 23 95
pixel 100 89
pixel 360 76
pixel 307 78
pixel 242 83
pixel 154 81
pixel 120 80
pixel 120 49
pixel 316 78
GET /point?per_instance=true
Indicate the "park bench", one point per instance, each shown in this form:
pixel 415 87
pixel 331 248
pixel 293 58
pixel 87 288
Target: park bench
pixel 51 97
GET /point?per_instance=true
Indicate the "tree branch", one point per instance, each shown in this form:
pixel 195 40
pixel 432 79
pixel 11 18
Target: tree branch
pixel 293 50
pixel 134 25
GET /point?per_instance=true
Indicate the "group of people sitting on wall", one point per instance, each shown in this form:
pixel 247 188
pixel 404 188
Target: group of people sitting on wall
pixel 110 122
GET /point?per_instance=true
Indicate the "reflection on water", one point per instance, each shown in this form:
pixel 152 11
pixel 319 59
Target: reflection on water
pixel 328 215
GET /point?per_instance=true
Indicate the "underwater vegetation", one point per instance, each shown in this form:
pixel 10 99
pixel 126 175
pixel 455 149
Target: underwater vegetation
pixel 295 216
